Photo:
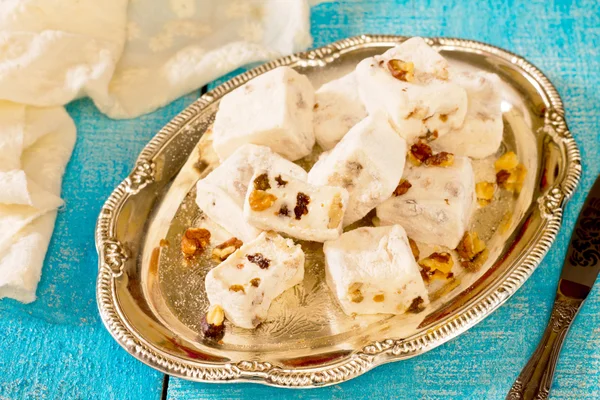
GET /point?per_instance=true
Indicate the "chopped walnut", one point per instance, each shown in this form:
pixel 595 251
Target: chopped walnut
pixel 402 188
pixel 404 71
pixel 414 248
pixel 302 201
pixel 194 241
pixel 259 260
pixel 419 152
pixel 259 200
pixel 336 212
pixel 261 182
pixel 237 288
pixel 354 292
pixel 485 192
pixel 378 298
pixel 441 159
pixel 507 162
pixel 212 325
pixel 515 181
pixel 471 250
pixel 316 106
pixel 510 174
pixel 438 261
pixel 510 179
pixel 417 305
pixel 443 117
pixel 280 181
pixel 502 176
pixel 255 282
pixel 225 249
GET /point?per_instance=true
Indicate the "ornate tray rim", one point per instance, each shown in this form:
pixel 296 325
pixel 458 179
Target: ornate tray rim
pixel 113 255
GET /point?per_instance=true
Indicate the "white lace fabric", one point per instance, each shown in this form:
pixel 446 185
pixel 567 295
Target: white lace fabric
pixel 130 58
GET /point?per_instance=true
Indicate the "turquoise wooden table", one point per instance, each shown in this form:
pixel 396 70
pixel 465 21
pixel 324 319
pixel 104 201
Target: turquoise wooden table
pixel 56 348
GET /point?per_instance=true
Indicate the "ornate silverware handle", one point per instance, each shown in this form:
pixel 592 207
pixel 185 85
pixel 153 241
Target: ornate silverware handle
pixel 535 379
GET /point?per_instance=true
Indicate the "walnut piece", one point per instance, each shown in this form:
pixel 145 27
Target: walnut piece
pixel 194 241
pixel 515 181
pixel 416 306
pixel 225 249
pixel 354 292
pixel 485 192
pixel 438 262
pixel 441 159
pixel 402 188
pixel 507 162
pixel 259 200
pixel 472 251
pixel 302 201
pixel 401 70
pixel 510 174
pixel 502 176
pixel 414 248
pixel 335 213
pixel 421 153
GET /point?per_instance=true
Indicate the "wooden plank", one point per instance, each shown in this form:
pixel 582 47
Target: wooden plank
pixel 561 38
pixel 56 347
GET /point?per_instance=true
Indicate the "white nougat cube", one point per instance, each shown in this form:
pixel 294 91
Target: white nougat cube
pixel 285 204
pixel 430 105
pixel 274 109
pixel 481 133
pixel 368 162
pixel 221 193
pixel 338 108
pixel 250 279
pixel 373 271
pixel 437 208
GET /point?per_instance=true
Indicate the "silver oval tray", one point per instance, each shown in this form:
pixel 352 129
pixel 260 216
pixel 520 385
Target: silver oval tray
pixel 151 301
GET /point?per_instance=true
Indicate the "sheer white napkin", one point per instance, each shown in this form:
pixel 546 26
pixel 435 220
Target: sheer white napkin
pixel 130 58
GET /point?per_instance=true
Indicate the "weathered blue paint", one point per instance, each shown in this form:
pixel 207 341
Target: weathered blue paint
pixel 57 348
